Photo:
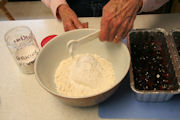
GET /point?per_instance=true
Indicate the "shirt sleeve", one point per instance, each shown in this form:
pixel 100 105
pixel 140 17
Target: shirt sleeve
pixel 53 5
pixel 150 5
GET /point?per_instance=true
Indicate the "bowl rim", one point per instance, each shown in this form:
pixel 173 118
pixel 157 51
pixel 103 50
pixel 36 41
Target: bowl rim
pixel 74 97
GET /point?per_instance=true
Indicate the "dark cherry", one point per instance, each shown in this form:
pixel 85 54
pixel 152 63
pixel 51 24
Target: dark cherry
pixel 150 68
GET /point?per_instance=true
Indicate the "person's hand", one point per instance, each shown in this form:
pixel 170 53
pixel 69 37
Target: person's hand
pixel 69 18
pixel 118 19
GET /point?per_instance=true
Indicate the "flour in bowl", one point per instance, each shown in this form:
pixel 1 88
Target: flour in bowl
pixel 84 75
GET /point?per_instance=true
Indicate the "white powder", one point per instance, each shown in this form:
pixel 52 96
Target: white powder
pixel 25 58
pixel 84 75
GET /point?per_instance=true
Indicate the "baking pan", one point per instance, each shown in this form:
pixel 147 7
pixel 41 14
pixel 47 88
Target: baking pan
pixel 153 70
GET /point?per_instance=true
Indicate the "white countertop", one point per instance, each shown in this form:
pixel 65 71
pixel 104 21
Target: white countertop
pixel 22 98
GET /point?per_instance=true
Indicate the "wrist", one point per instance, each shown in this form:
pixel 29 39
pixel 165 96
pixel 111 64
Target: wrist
pixel 61 7
pixel 60 10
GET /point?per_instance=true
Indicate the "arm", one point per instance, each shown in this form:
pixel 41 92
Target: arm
pixel 62 11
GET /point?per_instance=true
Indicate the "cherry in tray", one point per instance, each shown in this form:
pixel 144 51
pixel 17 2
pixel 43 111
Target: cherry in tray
pixel 151 62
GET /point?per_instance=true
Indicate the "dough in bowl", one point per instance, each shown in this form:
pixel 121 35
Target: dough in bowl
pixel 84 75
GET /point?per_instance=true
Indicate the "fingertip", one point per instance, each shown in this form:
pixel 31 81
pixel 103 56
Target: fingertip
pixel 116 41
pixel 85 25
pixel 80 26
pixel 71 28
pixel 65 29
pixel 77 23
pixel 104 33
pixel 101 37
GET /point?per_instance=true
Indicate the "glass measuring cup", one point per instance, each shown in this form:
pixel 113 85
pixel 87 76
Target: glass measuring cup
pixel 22 45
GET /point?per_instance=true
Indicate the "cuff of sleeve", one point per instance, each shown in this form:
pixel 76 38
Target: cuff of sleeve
pixel 150 5
pixel 54 7
pixel 141 9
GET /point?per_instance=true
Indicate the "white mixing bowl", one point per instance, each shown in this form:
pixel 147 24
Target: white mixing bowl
pixel 55 51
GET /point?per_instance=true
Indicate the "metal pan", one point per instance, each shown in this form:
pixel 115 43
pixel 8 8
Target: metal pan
pixel 148 89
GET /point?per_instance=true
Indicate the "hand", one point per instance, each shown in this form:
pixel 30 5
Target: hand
pixel 69 18
pixel 118 19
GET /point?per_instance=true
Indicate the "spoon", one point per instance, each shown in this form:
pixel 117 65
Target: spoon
pixel 72 44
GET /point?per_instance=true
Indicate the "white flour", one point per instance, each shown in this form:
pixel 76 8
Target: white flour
pixel 25 58
pixel 84 75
